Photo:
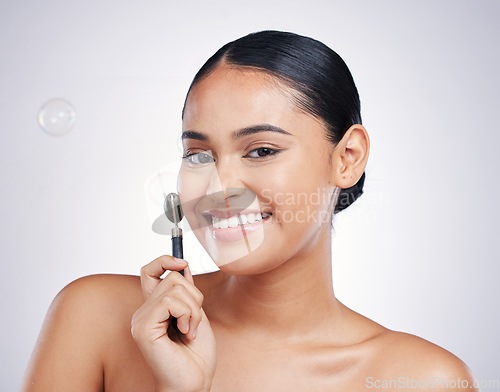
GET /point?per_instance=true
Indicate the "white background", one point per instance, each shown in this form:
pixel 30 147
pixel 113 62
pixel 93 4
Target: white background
pixel 417 253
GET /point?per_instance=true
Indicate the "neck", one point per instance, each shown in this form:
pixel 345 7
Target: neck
pixel 294 299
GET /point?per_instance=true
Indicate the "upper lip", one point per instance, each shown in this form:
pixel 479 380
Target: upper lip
pixel 229 213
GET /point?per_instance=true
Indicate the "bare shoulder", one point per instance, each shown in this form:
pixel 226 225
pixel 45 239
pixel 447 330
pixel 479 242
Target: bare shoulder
pixel 82 318
pixel 98 292
pixel 410 362
pixel 102 300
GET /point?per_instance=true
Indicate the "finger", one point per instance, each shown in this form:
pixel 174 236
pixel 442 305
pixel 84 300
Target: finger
pixel 158 308
pixel 186 324
pixel 151 273
pixel 151 321
pixel 204 330
pixel 175 279
pixel 188 275
pixel 182 312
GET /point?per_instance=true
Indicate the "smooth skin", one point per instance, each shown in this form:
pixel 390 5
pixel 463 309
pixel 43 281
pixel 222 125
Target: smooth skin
pixel 268 321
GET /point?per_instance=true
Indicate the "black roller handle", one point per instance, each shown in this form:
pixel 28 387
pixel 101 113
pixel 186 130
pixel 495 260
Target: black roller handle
pixel 177 249
pixel 177 252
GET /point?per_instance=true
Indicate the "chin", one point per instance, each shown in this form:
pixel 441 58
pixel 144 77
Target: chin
pixel 248 266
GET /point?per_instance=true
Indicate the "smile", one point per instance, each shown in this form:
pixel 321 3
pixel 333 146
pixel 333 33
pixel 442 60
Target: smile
pixel 239 220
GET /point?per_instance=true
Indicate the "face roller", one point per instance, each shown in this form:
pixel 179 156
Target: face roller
pixel 173 211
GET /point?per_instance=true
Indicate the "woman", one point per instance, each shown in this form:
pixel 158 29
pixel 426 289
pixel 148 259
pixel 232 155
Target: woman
pixel 273 147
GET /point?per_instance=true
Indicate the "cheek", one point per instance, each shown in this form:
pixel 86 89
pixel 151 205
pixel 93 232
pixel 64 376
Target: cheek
pixel 194 182
pixel 191 187
pixel 297 194
pixel 187 187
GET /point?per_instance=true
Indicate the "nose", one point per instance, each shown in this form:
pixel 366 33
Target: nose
pixel 225 182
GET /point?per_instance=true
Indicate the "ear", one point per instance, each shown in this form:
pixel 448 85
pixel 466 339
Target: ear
pixel 350 156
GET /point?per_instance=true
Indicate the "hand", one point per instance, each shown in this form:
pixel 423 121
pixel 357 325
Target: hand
pixel 182 358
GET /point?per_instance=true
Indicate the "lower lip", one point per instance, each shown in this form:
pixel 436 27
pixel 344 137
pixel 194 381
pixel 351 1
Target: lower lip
pixel 237 233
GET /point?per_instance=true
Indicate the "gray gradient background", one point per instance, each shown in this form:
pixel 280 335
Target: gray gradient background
pixel 417 253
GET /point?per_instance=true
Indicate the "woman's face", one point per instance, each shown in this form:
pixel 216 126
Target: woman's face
pixel 255 183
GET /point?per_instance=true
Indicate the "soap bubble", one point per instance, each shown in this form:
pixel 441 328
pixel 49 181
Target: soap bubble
pixel 56 117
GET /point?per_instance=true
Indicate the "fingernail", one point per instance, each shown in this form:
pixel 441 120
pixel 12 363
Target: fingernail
pixel 179 260
pixel 195 332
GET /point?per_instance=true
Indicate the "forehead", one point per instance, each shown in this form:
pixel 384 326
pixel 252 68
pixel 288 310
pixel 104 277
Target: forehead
pixel 237 97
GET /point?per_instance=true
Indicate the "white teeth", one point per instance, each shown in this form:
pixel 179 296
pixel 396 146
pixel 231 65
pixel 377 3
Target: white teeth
pixel 224 224
pixel 235 220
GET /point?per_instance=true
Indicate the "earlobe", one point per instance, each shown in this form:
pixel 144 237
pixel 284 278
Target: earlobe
pixel 350 156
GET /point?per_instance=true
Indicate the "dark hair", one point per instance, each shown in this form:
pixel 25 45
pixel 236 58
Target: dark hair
pixel 324 84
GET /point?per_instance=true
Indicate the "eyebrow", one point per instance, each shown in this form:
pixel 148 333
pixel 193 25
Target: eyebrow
pixel 193 135
pixel 239 133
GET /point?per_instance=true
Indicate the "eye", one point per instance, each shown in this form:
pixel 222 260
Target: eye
pixel 198 158
pixel 261 152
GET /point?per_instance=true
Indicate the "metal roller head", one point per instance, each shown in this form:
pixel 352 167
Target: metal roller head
pixel 172 208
